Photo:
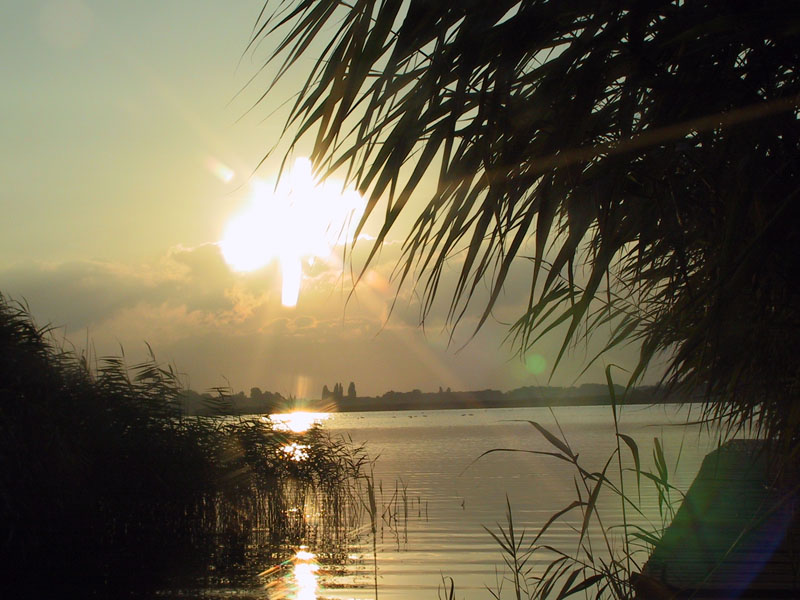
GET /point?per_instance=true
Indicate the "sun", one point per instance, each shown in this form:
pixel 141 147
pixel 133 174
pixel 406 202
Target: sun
pixel 299 219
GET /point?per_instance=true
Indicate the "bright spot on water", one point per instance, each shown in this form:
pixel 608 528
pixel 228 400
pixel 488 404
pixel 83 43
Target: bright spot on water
pixel 299 219
pixel 305 575
pixel 305 555
pixel 296 452
pixel 297 422
pixel 535 363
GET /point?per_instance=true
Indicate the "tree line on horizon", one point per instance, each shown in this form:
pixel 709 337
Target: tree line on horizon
pixel 338 392
pixel 220 402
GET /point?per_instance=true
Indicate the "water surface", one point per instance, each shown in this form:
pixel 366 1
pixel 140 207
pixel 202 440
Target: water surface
pixel 436 495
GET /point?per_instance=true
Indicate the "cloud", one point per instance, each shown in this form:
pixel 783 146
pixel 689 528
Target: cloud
pixel 304 322
pixel 189 298
pixel 83 293
pixel 214 323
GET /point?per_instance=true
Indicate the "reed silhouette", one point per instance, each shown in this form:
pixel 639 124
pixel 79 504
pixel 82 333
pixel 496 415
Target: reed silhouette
pixel 107 490
pixel 638 160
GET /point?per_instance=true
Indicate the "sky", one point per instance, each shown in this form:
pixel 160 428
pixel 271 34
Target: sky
pixel 129 146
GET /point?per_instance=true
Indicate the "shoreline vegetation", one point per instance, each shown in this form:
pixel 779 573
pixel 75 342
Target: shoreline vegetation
pixel 194 403
pixel 106 490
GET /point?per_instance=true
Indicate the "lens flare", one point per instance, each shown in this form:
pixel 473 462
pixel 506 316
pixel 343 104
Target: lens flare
pixel 536 364
pixel 301 583
pixel 219 170
pixel 296 220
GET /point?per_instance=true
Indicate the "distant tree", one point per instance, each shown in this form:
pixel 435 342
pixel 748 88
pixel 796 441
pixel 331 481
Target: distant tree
pixel 351 390
pixel 274 398
pixel 256 393
pixel 326 393
pixel 641 160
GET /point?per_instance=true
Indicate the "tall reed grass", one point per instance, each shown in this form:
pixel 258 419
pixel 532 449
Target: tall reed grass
pixel 107 490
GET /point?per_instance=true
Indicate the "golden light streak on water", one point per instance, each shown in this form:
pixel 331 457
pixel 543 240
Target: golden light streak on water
pixel 305 575
pixel 296 452
pixel 297 422
pixel 301 584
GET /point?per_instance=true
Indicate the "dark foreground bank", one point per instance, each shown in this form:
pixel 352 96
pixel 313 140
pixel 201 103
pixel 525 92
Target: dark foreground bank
pixel 106 492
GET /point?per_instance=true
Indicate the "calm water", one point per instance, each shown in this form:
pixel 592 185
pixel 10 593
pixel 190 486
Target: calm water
pixel 436 497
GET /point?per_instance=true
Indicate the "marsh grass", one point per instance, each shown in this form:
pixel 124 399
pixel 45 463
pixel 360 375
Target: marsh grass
pixel 107 490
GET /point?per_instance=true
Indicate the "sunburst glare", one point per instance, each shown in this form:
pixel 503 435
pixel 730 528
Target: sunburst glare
pixel 298 219
pixel 297 422
pixel 305 574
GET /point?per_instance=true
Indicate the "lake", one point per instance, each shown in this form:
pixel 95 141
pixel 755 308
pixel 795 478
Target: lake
pixel 436 494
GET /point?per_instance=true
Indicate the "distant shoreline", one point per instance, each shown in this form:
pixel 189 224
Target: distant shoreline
pixel 589 395
pixel 372 404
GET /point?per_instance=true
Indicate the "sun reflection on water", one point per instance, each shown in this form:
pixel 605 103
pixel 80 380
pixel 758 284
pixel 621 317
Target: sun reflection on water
pixel 297 422
pixel 301 583
pixel 295 451
pixel 305 575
